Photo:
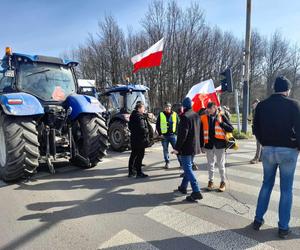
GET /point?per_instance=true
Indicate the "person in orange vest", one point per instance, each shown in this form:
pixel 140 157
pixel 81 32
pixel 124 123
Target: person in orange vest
pixel 214 126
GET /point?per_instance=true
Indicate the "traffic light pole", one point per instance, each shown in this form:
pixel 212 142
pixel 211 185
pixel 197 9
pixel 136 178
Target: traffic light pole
pixel 237 109
pixel 247 69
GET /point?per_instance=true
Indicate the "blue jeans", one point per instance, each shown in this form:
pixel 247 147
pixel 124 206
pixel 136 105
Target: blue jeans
pixel 165 144
pixel 187 163
pixel 286 160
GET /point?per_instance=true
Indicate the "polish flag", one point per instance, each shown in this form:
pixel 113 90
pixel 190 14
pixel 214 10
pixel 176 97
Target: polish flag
pixel 219 89
pixel 149 58
pixel 203 93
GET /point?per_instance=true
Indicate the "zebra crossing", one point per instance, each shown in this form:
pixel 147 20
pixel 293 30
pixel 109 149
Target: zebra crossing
pixel 155 217
pixel 244 180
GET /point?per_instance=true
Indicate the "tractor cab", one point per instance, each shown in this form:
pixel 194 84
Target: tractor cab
pixel 123 98
pixel 49 79
pixel 120 101
pixel 88 87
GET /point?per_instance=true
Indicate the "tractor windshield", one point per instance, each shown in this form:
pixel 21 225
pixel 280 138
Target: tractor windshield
pixel 48 82
pixel 115 102
pixel 133 97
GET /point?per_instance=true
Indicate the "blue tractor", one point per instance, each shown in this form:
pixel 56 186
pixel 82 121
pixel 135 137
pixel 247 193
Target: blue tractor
pixel 120 102
pixel 43 117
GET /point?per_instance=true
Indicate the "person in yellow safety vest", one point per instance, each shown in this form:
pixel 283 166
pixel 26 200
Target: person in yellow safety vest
pixel 166 126
pixel 214 126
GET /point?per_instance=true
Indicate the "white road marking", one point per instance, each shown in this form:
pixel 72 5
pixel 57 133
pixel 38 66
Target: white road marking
pixel 247 211
pixel 203 231
pixel 126 240
pixel 255 176
pixel 249 189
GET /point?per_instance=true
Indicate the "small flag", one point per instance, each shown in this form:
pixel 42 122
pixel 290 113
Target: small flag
pixel 203 93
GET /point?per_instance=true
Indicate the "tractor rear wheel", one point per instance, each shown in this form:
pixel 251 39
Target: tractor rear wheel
pixel 93 141
pixel 19 147
pixel 119 136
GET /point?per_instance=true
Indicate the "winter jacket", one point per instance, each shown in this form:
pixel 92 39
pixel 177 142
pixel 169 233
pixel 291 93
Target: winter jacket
pixel 139 133
pixel 277 122
pixel 188 137
pixel 212 141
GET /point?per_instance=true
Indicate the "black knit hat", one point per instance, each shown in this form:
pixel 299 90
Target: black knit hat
pixel 282 84
pixel 187 103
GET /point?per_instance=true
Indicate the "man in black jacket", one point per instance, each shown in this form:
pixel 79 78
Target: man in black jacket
pixel 187 146
pixel 214 125
pixel 277 127
pixel 139 140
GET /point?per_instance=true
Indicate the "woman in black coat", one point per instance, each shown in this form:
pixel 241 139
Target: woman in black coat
pixel 139 140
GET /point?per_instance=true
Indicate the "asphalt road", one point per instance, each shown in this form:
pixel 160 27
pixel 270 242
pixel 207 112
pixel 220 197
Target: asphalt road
pixel 101 208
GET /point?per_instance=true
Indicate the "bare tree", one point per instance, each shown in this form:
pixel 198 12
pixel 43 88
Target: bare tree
pixel 276 59
pixel 193 52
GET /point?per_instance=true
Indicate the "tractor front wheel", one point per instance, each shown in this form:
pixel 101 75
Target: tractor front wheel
pixel 19 147
pixel 119 136
pixel 93 141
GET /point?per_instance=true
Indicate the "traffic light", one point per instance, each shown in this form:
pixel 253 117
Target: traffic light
pixel 227 82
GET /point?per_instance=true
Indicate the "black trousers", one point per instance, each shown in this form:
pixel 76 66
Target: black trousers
pixel 135 160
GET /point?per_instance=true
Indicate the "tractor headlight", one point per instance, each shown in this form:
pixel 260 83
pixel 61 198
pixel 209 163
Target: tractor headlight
pixel 94 101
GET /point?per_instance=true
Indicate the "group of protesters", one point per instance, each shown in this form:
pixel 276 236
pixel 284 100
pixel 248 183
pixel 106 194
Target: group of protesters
pixel 276 125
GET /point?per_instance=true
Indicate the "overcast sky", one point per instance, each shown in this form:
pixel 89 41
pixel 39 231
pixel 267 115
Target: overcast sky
pixel 51 27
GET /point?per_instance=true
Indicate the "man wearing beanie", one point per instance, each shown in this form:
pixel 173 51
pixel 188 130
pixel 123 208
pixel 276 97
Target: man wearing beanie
pixel 277 127
pixel 187 146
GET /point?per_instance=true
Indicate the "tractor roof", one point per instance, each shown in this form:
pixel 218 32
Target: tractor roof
pixel 126 88
pixel 44 59
pixel 86 83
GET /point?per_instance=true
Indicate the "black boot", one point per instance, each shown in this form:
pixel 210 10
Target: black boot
pixel 182 190
pixel 141 175
pixel 132 174
pixel 256 225
pixel 194 197
pixel 283 234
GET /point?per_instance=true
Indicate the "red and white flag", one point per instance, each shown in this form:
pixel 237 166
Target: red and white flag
pixel 219 89
pixel 203 93
pixel 149 58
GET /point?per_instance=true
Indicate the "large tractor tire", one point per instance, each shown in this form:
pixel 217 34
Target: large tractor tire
pixel 94 141
pixel 19 147
pixel 119 136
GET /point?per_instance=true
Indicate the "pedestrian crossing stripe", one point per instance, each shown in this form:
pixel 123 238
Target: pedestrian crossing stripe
pixel 232 158
pixel 236 208
pixel 253 168
pixel 251 189
pixel 203 231
pixel 126 240
pixel 255 176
